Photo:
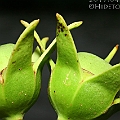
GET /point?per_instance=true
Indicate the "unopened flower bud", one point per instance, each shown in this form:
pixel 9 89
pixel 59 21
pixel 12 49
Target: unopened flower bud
pixel 19 79
pixel 82 86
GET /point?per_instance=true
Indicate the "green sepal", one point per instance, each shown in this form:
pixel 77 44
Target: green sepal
pixel 66 51
pixel 67 73
pixel 44 42
pixel 36 54
pixel 111 54
pixel 93 63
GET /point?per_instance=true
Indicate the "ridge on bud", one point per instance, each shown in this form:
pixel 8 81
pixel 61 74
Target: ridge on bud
pixel 82 86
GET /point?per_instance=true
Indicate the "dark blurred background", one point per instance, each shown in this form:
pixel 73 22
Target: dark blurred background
pixel 99 33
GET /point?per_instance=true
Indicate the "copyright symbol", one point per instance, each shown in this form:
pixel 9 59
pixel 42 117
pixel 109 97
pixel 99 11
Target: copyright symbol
pixel 91 6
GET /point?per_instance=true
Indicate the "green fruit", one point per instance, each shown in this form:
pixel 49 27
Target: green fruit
pixel 19 79
pixel 82 86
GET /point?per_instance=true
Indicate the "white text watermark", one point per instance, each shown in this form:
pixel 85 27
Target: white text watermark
pixel 104 4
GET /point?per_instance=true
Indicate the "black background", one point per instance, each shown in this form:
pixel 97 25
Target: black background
pixel 99 33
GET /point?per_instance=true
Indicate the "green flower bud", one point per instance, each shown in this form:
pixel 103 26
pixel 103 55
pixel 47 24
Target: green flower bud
pixel 19 76
pixel 82 86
